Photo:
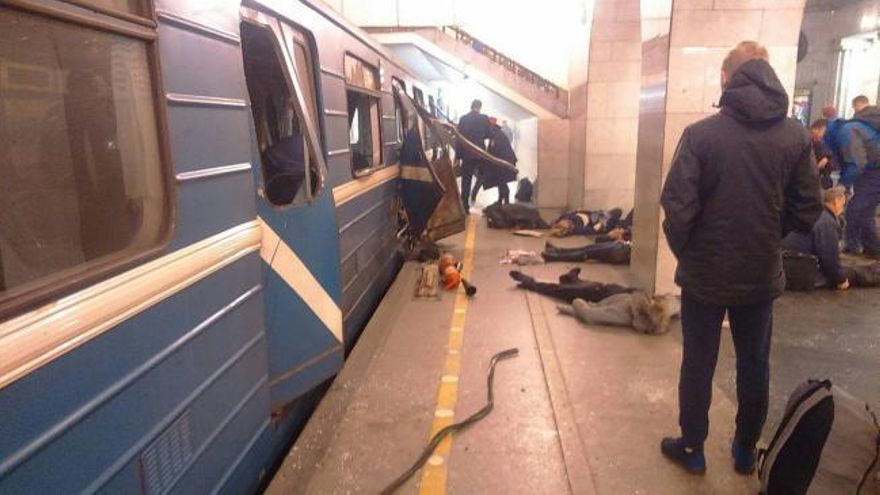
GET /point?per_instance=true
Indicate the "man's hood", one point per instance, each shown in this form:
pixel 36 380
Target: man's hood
pixel 870 115
pixel 754 95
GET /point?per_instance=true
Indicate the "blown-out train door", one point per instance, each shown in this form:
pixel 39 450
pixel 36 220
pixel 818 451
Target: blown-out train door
pixel 299 247
pixel 429 191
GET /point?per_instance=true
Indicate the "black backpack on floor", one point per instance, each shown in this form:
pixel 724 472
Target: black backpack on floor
pixel 827 443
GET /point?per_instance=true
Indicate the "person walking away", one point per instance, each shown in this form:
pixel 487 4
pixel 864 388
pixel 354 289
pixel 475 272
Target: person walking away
pixel 474 126
pixel 739 180
pixel 856 146
pixel 499 147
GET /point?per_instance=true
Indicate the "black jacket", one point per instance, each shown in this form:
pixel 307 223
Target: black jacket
pixel 740 180
pixel 474 126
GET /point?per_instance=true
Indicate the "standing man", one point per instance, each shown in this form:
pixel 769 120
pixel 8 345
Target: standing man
pixel 856 145
pixel 739 180
pixel 474 126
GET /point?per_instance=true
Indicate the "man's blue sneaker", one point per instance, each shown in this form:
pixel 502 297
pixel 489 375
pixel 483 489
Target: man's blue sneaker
pixel 743 459
pixel 689 458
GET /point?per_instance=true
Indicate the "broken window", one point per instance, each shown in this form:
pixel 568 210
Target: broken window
pixel 364 121
pixel 290 173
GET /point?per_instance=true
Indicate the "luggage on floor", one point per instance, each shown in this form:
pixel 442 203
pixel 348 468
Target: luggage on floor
pixel 515 216
pixel 524 190
pixel 827 443
pixel 801 271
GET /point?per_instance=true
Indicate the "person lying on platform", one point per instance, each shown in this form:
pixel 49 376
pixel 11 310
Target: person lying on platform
pixel 589 222
pixel 570 287
pixel 636 310
pixel 823 242
pixel 616 234
pixel 612 252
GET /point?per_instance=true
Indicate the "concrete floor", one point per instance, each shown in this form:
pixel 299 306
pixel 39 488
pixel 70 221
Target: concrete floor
pixel 580 410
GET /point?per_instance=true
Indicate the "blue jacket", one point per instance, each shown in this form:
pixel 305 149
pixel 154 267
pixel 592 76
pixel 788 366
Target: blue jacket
pixel 855 143
pixel 822 242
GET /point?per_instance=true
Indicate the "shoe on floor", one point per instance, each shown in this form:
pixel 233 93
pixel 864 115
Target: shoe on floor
pixel 743 459
pixel 690 459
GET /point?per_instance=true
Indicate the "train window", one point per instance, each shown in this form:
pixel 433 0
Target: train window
pixel 363 128
pixel 288 165
pixel 364 122
pixel 419 96
pixel 361 74
pixel 84 187
pixel 399 116
pixel 305 77
pixel 432 106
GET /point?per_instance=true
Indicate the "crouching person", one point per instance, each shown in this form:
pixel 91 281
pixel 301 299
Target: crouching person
pixel 823 243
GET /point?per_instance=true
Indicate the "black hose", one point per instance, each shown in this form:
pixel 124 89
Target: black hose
pixel 435 441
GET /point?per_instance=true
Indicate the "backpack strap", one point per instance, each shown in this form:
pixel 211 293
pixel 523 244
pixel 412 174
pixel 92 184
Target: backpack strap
pixel 876 452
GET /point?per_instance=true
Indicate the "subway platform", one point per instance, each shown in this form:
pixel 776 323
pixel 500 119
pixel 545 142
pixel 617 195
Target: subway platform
pixel 581 409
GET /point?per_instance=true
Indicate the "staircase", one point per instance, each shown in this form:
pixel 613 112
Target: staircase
pixel 513 80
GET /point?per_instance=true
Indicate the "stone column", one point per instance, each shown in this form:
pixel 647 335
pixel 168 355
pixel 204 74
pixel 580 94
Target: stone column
pixel 612 108
pixel 702 33
pixel 552 184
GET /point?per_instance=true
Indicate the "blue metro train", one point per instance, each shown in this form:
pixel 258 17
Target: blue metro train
pixel 199 211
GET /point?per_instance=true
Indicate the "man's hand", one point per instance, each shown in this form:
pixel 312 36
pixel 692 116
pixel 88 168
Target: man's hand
pixel 823 162
pixel 843 285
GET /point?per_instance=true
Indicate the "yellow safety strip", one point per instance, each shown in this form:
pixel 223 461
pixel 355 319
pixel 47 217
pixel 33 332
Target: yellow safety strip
pixel 434 473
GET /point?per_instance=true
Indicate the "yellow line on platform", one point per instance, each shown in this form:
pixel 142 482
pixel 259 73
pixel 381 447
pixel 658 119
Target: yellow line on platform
pixel 434 473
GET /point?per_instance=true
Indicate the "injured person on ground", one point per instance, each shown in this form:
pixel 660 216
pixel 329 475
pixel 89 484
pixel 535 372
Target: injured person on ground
pixel 570 287
pixel 603 251
pixel 590 222
pixel 813 260
pixel 636 310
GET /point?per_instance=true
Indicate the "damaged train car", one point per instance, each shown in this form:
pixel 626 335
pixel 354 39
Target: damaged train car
pixel 230 186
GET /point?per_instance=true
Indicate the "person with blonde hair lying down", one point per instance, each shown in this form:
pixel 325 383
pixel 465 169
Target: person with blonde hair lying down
pixel 636 310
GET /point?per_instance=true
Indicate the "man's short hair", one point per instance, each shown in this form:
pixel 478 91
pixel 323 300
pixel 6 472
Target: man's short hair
pixel 829 112
pixel 742 53
pixel 834 194
pixel 819 124
pixel 860 100
pixel 476 105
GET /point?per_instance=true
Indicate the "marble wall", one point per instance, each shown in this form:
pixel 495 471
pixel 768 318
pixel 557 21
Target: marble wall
pixel 552 183
pixel 612 106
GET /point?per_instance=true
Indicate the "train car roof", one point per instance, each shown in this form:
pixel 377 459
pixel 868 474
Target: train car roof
pixel 358 33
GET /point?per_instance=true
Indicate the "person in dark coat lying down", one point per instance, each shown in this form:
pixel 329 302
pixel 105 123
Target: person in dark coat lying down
pixel 614 252
pixel 570 287
pixel 636 310
pixel 587 222
pixel 513 216
pixel 822 245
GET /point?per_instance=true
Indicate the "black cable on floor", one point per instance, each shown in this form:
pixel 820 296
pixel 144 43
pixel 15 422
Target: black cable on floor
pixel 435 441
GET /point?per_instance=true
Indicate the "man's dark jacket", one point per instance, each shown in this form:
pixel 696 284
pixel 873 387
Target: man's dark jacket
pixel 823 242
pixel 474 126
pixel 740 180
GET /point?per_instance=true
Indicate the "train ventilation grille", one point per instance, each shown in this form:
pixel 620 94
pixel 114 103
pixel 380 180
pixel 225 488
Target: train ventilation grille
pixel 165 459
